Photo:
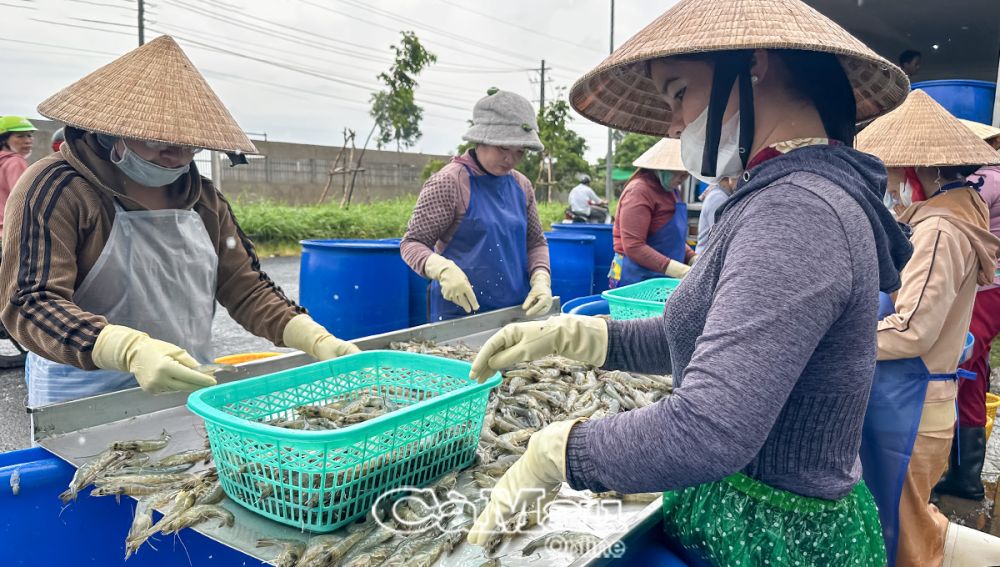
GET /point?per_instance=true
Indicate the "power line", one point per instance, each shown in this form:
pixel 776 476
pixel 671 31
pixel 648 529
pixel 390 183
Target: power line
pixel 446 33
pixel 547 36
pixel 230 76
pixel 353 55
pixel 298 69
pixel 463 48
pixel 77 26
pixel 257 29
pixel 241 47
pixel 208 43
pixel 52 45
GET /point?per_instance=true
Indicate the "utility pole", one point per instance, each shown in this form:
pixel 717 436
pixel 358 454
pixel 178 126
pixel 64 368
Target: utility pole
pixel 142 22
pixel 541 96
pixel 608 190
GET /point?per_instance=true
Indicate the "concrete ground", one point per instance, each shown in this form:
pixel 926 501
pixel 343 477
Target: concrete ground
pixel 985 514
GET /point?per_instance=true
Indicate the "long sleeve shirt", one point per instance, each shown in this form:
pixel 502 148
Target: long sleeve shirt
pixel 990 192
pixel 60 217
pixel 645 207
pixel 441 206
pixel 952 252
pixel 12 166
pixel 772 347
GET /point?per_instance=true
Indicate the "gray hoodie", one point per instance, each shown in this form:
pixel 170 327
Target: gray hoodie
pixel 772 339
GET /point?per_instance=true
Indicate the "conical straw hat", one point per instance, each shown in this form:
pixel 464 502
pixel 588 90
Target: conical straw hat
pixel 152 93
pixel 617 92
pixel 984 131
pixel 921 133
pixel 665 155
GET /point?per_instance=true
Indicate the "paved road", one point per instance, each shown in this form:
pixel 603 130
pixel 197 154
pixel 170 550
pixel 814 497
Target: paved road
pixel 229 338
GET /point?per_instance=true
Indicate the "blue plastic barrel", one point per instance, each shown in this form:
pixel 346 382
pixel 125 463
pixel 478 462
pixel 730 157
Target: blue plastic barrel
pixel 971 100
pixel 37 530
pixel 571 259
pixel 354 288
pixel 604 248
pixel 418 314
pixel 589 305
pixel 417 284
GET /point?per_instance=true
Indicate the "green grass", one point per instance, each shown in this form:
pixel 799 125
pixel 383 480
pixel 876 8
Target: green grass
pixel 276 229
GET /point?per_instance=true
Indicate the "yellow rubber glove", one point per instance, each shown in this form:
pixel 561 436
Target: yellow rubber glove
pixel 539 299
pixel 535 479
pixel 677 269
pixel 693 260
pixel 158 366
pixel 578 337
pixel 455 286
pixel 310 337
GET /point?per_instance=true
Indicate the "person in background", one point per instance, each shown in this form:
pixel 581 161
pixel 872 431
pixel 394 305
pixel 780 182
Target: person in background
pixel 475 229
pixel 16 141
pixel 920 344
pixel 58 138
pixel 586 203
pixel 714 196
pixel 965 466
pixel 771 336
pixel 909 62
pixel 651 228
pixel 124 248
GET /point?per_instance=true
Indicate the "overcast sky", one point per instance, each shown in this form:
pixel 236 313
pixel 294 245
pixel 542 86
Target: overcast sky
pixel 338 47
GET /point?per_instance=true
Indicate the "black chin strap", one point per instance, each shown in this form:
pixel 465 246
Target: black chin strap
pixel 729 67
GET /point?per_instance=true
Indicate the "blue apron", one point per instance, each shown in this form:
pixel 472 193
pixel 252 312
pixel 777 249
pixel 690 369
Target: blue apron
pixel 890 429
pixel 670 240
pixel 490 246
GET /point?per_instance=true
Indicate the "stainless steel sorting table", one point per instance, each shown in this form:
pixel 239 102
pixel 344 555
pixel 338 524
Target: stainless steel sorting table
pixel 79 429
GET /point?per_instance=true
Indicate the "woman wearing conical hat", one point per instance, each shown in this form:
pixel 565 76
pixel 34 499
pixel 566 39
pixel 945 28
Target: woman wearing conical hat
pixel 921 342
pixel 771 335
pixel 964 477
pixel 651 227
pixel 118 249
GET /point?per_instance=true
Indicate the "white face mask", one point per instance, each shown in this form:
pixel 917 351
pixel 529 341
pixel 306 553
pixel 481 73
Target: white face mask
pixel 144 172
pixel 905 193
pixel 890 202
pixel 693 137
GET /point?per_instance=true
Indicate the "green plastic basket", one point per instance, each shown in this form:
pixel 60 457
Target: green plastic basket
pixel 322 480
pixel 640 300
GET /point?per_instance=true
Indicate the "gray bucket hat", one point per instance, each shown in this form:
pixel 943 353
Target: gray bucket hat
pixel 503 118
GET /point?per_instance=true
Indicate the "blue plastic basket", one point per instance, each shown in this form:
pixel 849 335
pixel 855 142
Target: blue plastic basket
pixel 640 300
pixel 322 480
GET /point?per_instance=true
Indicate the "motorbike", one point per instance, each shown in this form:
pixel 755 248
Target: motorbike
pixel 571 216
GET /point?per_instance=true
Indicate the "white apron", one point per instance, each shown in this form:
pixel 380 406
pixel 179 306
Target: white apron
pixel 157 274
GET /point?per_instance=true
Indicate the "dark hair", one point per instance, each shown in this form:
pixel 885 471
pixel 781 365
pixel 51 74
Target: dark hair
pixel 3 139
pixel 820 78
pixel 908 55
pixel 957 171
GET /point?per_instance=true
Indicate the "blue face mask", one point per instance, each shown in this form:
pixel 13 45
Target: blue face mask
pixel 146 173
pixel 665 178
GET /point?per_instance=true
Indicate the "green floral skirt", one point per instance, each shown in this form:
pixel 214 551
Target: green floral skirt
pixel 742 521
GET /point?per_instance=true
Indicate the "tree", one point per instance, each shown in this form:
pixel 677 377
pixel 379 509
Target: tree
pixel 396 113
pixel 431 167
pixel 631 147
pixel 564 146
pixel 397 116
